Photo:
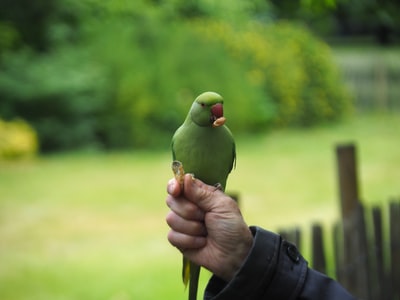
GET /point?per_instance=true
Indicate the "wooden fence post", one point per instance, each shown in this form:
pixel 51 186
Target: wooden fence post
pixel 318 253
pixel 348 181
pixel 381 286
pixel 338 252
pixel 355 249
pixel 394 216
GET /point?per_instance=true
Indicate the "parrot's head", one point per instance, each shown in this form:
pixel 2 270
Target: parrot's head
pixel 207 110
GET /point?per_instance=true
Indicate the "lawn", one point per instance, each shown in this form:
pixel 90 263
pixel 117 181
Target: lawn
pixel 91 225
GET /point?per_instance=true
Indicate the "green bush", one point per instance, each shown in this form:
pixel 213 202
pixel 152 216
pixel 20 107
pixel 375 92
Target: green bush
pixel 59 94
pixel 17 140
pixel 294 69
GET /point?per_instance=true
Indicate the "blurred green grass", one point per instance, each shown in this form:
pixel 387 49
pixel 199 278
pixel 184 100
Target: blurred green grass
pixel 91 225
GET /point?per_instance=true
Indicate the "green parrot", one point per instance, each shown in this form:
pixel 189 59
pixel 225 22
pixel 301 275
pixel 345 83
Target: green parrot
pixel 206 149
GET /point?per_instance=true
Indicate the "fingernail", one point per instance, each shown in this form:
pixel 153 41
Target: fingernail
pixel 193 179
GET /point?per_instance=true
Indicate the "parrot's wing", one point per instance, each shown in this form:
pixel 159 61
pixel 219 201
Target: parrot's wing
pixel 172 148
pixel 178 133
pixel 173 152
pixel 234 157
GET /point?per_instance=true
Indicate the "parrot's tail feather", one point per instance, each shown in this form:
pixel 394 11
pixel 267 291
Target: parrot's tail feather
pixel 185 271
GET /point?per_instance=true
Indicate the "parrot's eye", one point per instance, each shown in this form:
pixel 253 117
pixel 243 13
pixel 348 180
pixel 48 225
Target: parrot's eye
pixel 202 104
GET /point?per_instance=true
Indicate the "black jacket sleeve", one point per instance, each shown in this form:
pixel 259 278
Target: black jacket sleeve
pixel 274 269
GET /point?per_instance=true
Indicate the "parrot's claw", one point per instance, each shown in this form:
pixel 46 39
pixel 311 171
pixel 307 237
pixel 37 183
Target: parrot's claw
pixel 217 187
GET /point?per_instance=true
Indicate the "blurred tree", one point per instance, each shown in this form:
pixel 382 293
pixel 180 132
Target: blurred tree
pixel 8 37
pixel 31 20
pixel 378 18
pixel 117 74
pixel 332 18
pixel 37 22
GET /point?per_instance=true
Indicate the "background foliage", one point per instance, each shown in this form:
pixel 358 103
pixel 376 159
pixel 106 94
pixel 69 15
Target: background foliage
pixel 17 140
pixel 123 74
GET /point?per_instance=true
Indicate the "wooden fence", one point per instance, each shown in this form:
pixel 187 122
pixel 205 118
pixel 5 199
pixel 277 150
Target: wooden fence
pixel 373 78
pixel 366 241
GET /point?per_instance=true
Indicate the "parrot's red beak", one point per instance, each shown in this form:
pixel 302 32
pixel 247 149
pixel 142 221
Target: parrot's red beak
pixel 217 115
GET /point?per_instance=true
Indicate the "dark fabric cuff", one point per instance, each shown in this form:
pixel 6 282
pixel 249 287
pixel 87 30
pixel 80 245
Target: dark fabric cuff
pixel 273 268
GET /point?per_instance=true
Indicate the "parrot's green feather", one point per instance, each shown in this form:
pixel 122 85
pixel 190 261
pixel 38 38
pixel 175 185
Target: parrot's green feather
pixel 206 151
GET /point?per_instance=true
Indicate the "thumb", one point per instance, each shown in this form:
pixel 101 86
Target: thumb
pixel 201 194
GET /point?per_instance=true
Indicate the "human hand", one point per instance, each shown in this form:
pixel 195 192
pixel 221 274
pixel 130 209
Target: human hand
pixel 207 227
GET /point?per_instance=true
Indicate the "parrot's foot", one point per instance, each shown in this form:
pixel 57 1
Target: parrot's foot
pixel 217 187
pixel 179 173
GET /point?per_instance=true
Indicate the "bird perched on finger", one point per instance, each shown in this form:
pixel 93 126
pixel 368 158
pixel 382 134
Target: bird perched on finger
pixel 204 147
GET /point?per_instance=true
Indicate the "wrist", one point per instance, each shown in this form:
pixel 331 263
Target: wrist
pixel 241 252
